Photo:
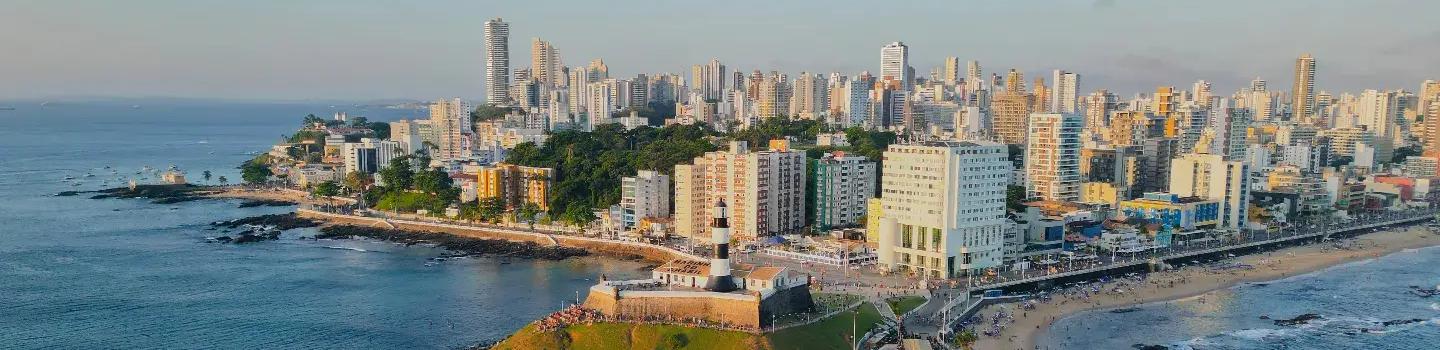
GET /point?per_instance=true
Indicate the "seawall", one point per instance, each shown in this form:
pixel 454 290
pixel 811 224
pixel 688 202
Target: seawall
pixel 649 252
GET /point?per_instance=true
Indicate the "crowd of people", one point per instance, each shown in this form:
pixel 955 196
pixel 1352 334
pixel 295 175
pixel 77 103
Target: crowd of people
pixel 570 315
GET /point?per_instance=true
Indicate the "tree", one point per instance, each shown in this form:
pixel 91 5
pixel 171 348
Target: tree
pixel 311 119
pixel 360 122
pixel 398 174
pixel 357 181
pixel 254 172
pixel 1015 198
pixel 223 180
pixel 434 181
pixel 577 214
pixel 966 339
pixel 527 212
pixel 327 189
pixel 488 112
pixel 1403 152
pixel 490 209
pixel 206 175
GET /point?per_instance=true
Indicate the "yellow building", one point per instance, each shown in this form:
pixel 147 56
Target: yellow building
pixel 1099 192
pixel 873 211
pixel 516 184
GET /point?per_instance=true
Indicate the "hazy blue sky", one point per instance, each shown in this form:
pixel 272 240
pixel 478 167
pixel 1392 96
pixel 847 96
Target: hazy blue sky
pixel 348 49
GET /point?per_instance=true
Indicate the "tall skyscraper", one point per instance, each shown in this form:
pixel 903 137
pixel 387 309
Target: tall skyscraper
pixel 1064 92
pixel 709 79
pixel 1052 156
pixel 895 62
pixel 1304 90
pixel 951 74
pixel 545 64
pixel 943 207
pixel 497 61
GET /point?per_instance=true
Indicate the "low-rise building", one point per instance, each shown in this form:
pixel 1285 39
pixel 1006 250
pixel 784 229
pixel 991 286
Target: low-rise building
pixel 1174 211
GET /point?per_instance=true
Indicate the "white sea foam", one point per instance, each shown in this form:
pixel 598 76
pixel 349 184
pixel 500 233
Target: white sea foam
pixel 1262 333
pixel 1435 306
pixel 347 248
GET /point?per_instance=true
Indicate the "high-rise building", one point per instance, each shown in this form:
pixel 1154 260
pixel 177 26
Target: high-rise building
pixel 644 196
pixel 1065 92
pixel 1052 156
pixel 951 74
pixel 1211 177
pixel 1098 106
pixel 497 62
pixel 1304 90
pixel 843 185
pixel 1009 112
pixel 545 64
pixel 810 97
pixel 516 185
pixel 1201 93
pixel 451 120
pixel 1379 112
pixel 943 207
pixel 895 62
pixel 764 189
pixel 709 79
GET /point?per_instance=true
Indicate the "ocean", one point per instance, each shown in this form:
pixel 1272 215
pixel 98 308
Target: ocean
pixel 127 274
pixel 1354 300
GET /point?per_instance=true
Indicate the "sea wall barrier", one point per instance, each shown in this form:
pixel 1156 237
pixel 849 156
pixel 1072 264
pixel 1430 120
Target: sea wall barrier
pixel 651 252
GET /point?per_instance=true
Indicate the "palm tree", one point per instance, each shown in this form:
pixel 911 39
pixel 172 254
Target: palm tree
pixel 223 180
pixel 206 175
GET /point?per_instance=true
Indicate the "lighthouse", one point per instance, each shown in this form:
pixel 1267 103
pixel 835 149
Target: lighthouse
pixel 720 280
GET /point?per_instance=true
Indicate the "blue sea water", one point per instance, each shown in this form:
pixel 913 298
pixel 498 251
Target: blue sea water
pixel 77 273
pixel 1351 298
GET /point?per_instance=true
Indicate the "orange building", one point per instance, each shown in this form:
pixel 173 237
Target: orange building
pixel 516 184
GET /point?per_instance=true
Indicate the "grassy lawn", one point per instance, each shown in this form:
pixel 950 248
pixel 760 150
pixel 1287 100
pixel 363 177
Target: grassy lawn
pixel 631 336
pixel 833 333
pixel 904 304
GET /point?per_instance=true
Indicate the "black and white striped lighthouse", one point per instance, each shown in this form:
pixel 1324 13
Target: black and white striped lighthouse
pixel 720 280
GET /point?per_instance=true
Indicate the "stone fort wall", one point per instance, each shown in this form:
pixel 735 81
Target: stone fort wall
pixel 744 311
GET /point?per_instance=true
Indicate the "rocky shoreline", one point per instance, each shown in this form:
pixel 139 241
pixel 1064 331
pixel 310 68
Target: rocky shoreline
pixel 158 194
pixel 458 244
pixel 261 228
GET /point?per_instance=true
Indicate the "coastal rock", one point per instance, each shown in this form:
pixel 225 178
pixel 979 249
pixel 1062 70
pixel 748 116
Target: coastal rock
pixel 1400 322
pixel 278 221
pixel 1150 347
pixel 67 193
pixel 463 245
pixel 1298 320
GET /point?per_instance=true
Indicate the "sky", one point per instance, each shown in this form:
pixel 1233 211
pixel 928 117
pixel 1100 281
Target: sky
pixel 362 49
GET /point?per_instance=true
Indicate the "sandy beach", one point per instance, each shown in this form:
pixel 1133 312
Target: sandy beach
pixel 1029 325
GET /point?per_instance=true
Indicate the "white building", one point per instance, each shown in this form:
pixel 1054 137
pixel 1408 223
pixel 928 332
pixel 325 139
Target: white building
pixel 645 195
pixel 1211 177
pixel 895 63
pixel 1052 156
pixel 943 207
pixel 843 185
pixel 497 61
pixel 765 190
pixel 1064 87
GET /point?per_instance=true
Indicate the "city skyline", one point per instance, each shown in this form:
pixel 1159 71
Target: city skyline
pixel 313 51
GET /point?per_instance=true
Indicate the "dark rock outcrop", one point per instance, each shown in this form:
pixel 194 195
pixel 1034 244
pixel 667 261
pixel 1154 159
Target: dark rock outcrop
pixel 465 245
pixel 1298 320
pixel 278 221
